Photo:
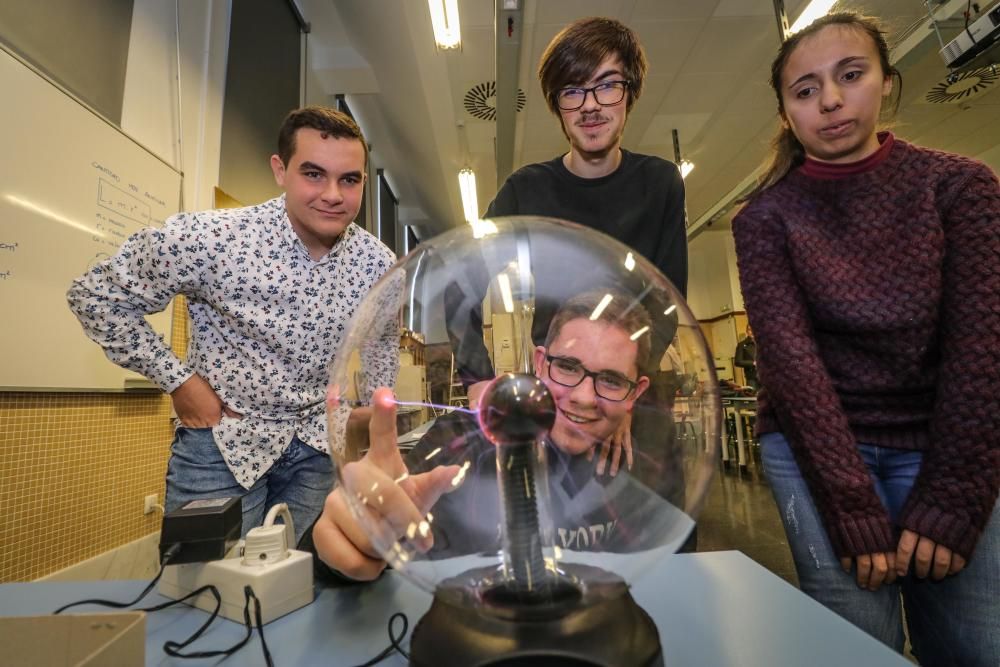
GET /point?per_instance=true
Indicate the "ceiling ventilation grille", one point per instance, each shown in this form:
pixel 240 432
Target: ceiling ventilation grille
pixel 958 88
pixel 480 101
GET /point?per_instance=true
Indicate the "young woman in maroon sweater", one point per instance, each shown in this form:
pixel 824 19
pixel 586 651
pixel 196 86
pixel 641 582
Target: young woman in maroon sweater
pixel 871 275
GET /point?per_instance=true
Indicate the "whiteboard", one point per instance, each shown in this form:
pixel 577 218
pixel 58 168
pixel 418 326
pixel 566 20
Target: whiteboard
pixel 72 188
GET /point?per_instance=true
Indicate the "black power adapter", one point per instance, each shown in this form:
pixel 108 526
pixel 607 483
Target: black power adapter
pixel 204 529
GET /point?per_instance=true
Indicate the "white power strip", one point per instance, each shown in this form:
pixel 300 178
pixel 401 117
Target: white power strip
pixel 281 587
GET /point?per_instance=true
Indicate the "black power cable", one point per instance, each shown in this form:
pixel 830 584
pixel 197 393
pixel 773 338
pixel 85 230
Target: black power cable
pixel 172 648
pixel 164 561
pixel 260 626
pixel 393 641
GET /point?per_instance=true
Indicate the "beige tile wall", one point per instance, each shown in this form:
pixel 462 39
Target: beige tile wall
pixel 74 468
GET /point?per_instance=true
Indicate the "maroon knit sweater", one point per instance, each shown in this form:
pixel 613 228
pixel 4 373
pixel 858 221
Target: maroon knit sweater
pixel 875 301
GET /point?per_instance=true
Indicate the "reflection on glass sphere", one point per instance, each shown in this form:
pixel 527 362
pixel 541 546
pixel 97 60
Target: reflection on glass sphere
pixel 594 362
pixel 515 408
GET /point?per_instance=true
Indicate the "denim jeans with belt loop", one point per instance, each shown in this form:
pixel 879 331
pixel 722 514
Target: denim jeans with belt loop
pixel 302 477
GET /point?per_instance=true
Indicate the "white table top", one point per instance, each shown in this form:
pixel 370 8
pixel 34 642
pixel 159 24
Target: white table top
pixel 712 609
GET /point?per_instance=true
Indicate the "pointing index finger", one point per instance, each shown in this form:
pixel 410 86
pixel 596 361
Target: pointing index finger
pixel 382 428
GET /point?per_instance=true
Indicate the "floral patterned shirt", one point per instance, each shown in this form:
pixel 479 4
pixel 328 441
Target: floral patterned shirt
pixel 266 320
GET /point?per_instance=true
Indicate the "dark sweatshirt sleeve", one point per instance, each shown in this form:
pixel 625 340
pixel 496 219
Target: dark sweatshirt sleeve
pixel 672 254
pixel 463 306
pixel 322 572
pixel 802 392
pixel 463 315
pixel 957 487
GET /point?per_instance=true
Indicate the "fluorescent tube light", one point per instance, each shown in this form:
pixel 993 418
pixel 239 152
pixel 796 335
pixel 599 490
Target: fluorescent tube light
pixel 813 11
pixel 444 18
pixel 467 186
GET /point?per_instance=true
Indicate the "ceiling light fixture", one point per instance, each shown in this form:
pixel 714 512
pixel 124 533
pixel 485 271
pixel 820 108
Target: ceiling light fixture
pixel 467 186
pixel 444 18
pixel 686 166
pixel 813 11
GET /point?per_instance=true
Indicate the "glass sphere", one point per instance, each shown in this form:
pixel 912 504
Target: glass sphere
pixel 556 416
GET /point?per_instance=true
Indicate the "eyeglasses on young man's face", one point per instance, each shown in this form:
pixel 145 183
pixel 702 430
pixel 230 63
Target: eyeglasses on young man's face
pixel 607 93
pixel 607 384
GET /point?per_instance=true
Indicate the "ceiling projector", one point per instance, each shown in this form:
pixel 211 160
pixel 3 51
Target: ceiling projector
pixel 974 40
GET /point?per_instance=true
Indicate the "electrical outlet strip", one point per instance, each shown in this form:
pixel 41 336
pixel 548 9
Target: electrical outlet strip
pixel 282 586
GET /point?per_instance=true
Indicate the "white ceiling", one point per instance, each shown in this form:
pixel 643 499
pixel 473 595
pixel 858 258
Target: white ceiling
pixel 709 64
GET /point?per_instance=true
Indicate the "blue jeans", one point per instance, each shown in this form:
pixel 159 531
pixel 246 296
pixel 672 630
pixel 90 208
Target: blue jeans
pixel 301 478
pixel 951 622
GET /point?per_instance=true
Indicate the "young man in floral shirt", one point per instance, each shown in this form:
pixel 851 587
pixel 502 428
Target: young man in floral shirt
pixel 270 289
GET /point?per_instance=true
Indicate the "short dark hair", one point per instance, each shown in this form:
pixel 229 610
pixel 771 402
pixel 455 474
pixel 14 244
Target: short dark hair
pixel 622 311
pixel 329 121
pixel 579 48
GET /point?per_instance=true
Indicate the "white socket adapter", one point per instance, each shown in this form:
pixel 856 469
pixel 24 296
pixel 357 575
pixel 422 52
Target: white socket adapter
pixel 271 542
pixel 281 577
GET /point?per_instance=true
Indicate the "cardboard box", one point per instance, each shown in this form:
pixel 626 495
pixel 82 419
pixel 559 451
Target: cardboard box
pixel 74 640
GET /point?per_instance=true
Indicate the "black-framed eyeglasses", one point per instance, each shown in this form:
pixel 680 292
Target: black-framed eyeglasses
pixel 607 384
pixel 607 93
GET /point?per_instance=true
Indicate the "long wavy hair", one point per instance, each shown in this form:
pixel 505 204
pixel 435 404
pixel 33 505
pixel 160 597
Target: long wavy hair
pixel 786 150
